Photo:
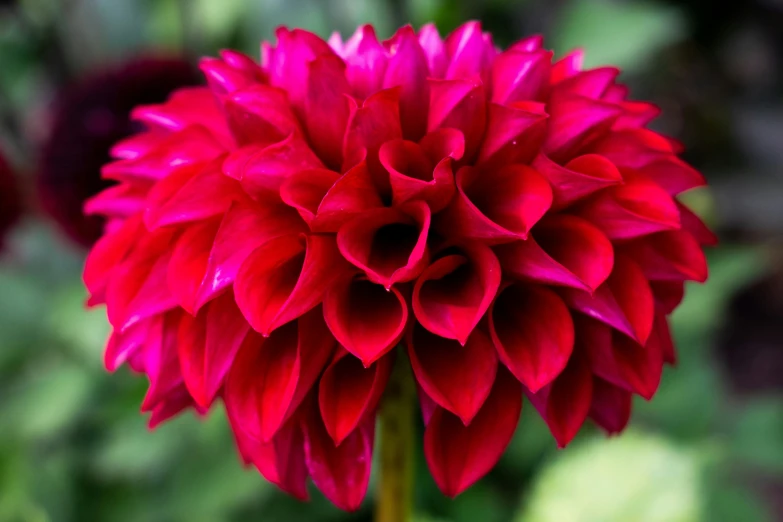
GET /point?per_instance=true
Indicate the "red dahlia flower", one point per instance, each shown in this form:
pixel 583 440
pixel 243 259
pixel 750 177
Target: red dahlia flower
pixel 10 199
pixel 89 118
pixel 502 220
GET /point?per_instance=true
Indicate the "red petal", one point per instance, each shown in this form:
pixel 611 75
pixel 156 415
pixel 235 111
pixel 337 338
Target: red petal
pixel 122 200
pixel 281 460
pixel 349 392
pixel 459 455
pixel 244 228
pixel 621 360
pixel 567 66
pixel 668 295
pixel 342 472
pixel 413 175
pixel 107 253
pixel 121 346
pixel 693 224
pixel 636 208
pixel 372 124
pixel 624 301
pixel 663 338
pixel 611 408
pixel 353 193
pixel 407 68
pixel 285 278
pixel 270 377
pixel 366 319
pixel 533 333
pixel 175 402
pixel 514 134
pixel 161 363
pixel 565 402
pixel 574 124
pixel 326 108
pixel 563 250
pixel 497 206
pixel 208 344
pixel 366 61
pixel 388 244
pixel 673 174
pixel 262 170
pixel 432 45
pixel 462 105
pixel 579 178
pixel 467 48
pixel 260 115
pixel 673 255
pixel 458 378
pixel 188 262
pixel 305 189
pixel 454 292
pixel 591 84
pixel 519 75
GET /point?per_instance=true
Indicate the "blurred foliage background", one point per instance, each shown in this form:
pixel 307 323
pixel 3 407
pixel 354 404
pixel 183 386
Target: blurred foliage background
pixel 73 447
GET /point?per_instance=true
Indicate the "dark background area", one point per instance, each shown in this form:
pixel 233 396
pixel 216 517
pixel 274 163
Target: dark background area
pixel 709 447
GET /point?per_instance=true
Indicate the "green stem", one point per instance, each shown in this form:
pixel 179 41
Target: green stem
pixel 394 502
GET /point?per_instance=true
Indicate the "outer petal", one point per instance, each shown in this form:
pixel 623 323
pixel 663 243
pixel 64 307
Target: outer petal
pixel 565 403
pixel 327 108
pixel 673 255
pixel 580 177
pixel 611 407
pixel 459 104
pixel 459 455
pixel 636 208
pixel 498 206
pixel 388 244
pixel 533 333
pixel 350 195
pixel 285 278
pixel 342 472
pixel 244 228
pixel 207 346
pixel 624 301
pixel 188 262
pixel 161 363
pixel 574 124
pixel 514 134
pixel 407 68
pixel 434 49
pixel 564 250
pixel 467 48
pixel 107 254
pixel 693 224
pixel 454 292
pixel 519 75
pixel 458 378
pixel 260 115
pixel 270 377
pixel 366 61
pixel 121 346
pixel 366 319
pixel 349 392
pixel 413 176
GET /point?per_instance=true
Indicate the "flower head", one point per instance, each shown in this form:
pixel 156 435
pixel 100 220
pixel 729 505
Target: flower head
pixel 506 220
pixel 89 117
pixel 10 199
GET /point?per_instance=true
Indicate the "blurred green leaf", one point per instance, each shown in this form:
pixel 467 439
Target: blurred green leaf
pixel 758 435
pixel 637 477
pixel 624 34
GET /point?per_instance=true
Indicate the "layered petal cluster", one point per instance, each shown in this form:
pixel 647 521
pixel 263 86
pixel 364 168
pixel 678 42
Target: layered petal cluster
pixel 10 199
pixel 503 222
pixel 87 119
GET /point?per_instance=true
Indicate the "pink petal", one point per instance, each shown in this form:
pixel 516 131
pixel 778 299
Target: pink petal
pixel 260 115
pixel 327 108
pixel 611 407
pixel 636 208
pixel 270 377
pixel 459 455
pixel 514 134
pixel 673 174
pixel 497 206
pixel 432 45
pixel 693 224
pixel 663 339
pixel 591 84
pixel 413 176
pixel 388 244
pixel 281 460
pixel 285 278
pixel 374 122
pixel 565 403
pixel 366 62
pixel 580 177
pixel 407 68
pixel 349 392
pixel 161 363
pixel 567 66
pixel 304 190
pixel 244 228
pixel 342 472
pixel 222 77
pixel 457 377
pixel 667 294
pixel 462 105
pixel 352 194
pixel 123 345
pixel 624 301
pixel 262 170
pixel 533 333
pixel 107 253
pixel 574 124
pixel 208 344
pixel 466 48
pixel 519 75
pixel 122 200
pixel 188 262
pixel 366 319
pixel 454 292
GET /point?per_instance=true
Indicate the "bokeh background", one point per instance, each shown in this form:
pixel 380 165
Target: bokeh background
pixel 73 446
